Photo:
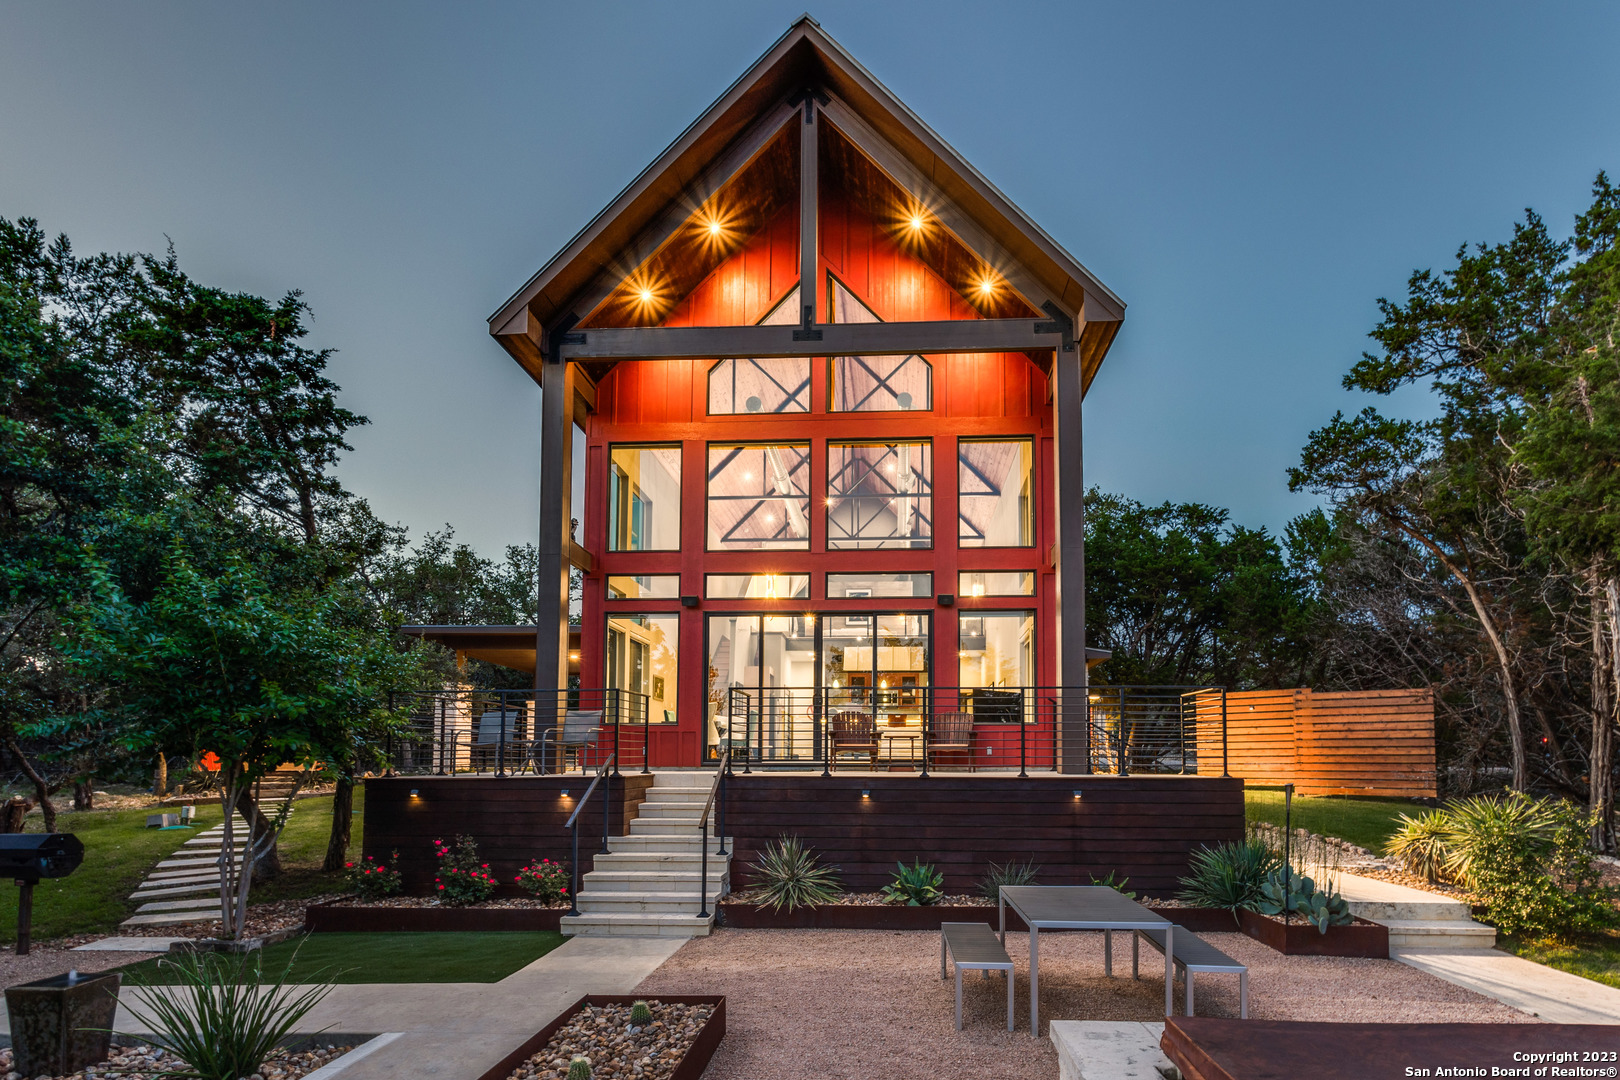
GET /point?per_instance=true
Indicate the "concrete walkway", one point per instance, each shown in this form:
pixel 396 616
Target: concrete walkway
pixel 1555 996
pixel 458 1030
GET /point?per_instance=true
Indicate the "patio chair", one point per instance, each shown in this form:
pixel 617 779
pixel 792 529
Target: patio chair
pixel 950 733
pixel 580 730
pixel 495 727
pixel 852 732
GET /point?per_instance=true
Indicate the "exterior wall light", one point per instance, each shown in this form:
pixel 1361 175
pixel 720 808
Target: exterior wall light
pixel 1077 793
pixel 415 794
pixel 866 793
pixel 565 793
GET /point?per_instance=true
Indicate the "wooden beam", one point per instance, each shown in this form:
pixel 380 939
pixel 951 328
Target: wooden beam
pixel 556 451
pixel 908 178
pixel 1070 519
pixel 809 225
pixel 837 339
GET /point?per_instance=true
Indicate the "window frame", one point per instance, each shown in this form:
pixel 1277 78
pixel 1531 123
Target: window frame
pixel 614 473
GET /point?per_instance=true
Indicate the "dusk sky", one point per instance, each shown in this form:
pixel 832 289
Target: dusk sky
pixel 1249 178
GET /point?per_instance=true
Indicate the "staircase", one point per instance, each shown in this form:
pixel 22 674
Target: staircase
pixel 647 884
pixel 1416 919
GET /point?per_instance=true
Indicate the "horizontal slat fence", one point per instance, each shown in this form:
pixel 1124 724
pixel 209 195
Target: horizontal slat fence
pixel 1359 742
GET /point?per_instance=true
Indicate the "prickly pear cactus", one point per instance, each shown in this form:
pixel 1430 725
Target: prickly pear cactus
pixel 1321 908
pixel 579 1069
pixel 640 1014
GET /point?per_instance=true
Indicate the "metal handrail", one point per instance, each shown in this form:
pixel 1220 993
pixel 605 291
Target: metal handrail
pixel 719 786
pixel 573 826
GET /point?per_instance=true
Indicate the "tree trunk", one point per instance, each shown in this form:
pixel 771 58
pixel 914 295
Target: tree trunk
pixel 1605 707
pixel 337 846
pixel 42 790
pixel 14 814
pixel 268 865
pixel 160 777
pixel 84 793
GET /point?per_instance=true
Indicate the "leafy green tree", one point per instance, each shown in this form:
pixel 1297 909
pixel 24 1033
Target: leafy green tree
pixel 230 664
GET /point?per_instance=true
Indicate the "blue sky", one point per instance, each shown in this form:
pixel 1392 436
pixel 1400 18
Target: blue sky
pixel 1248 177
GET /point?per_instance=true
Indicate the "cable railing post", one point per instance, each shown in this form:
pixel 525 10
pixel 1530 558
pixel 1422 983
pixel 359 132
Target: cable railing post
pixel 607 804
pixel 823 718
pixel 721 835
pixel 1224 770
pixel 618 727
pixel 573 893
pixel 1183 718
pixel 646 735
pixel 1122 739
pixel 927 722
pixel 1023 739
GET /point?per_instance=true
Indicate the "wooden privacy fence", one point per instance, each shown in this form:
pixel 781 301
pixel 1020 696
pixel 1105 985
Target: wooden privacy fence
pixel 1360 742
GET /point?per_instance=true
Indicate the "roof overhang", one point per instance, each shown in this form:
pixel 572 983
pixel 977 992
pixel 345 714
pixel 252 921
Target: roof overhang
pixel 859 105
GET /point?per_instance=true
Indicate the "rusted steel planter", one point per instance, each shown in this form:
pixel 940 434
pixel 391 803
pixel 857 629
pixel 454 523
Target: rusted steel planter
pixel 1297 938
pixel 691 1066
pixel 336 917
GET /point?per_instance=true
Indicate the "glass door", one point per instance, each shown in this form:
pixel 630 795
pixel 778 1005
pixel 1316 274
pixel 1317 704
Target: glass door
pixel 762 686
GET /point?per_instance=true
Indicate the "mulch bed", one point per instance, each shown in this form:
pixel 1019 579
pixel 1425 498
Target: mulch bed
pixel 510 902
pixel 617 1050
pixel 262 919
pixel 149 1063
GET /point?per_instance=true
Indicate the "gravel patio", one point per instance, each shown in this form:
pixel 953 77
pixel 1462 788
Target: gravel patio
pixel 807 1004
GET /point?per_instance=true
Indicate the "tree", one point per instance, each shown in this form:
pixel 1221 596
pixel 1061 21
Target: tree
pixel 229 663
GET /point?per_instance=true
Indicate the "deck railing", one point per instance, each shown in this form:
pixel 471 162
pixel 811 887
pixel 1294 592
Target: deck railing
pixel 1113 729
pixel 510 732
pixel 1123 730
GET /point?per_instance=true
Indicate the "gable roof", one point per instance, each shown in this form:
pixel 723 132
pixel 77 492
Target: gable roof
pixel 803 57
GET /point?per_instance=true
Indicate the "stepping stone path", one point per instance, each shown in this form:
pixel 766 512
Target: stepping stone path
pixel 184 887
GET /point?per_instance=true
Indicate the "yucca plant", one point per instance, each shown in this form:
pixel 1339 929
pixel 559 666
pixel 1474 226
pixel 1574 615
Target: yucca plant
pixel 789 875
pixel 220 1016
pixel 1503 838
pixel 1012 873
pixel 1229 876
pixel 918 885
pixel 1420 843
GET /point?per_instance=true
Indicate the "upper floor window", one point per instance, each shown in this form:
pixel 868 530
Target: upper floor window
pixel 769 385
pixel 879 495
pixel 994 493
pixel 759 496
pixel 644 498
pixel 875 383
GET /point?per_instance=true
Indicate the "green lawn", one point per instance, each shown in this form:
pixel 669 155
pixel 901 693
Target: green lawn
pixel 119 851
pixel 1367 823
pixel 393 958
pixel 1596 957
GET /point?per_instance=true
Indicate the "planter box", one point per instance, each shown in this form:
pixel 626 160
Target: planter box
pixel 691 1066
pixel 1362 938
pixel 60 1026
pixel 335 917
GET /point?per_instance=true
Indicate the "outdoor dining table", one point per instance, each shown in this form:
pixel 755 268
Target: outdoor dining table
pixel 1082 907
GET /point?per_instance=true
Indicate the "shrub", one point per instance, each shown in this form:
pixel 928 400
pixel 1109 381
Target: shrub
pixel 1013 873
pixel 1117 886
pixel 1294 893
pixel 1528 862
pixel 789 875
pixel 223 1016
pixel 545 880
pixel 371 880
pixel 1420 844
pixel 918 885
pixel 1229 876
pixel 462 879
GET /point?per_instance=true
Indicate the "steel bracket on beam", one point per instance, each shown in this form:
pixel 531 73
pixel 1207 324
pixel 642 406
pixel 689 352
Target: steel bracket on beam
pixel 1060 324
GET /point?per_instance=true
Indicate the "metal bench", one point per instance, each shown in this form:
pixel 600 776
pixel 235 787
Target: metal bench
pixel 974 946
pixel 1193 954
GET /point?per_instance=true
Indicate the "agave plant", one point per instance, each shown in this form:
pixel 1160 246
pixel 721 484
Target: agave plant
pixel 1422 844
pixel 1229 876
pixel 1012 873
pixel 1296 894
pixel 918 885
pixel 222 1017
pixel 789 875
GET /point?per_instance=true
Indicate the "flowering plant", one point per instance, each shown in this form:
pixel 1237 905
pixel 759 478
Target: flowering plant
pixel 545 880
pixel 372 880
pixel 462 879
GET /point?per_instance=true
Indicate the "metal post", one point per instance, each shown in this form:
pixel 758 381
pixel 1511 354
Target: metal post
pixel 618 725
pixel 826 736
pixel 1224 770
pixel 573 894
pixel 703 872
pixel 646 736
pixel 25 915
pixel 1023 738
pixel 1288 836
pixel 1122 740
pixel 748 735
pixel 500 747
pixel 607 809
pixel 1182 746
pixel 721 836
pixel 928 722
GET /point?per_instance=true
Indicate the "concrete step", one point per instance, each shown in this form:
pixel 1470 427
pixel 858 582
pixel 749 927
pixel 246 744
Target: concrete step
pixel 703 778
pixel 171 918
pixel 682 796
pixel 201 903
pixel 657 903
pixel 188 864
pixel 603 880
pixel 683 811
pixel 658 862
pixel 666 843
pixel 1439 934
pixel 681 826
pixel 203 888
pixel 639 925
pixel 181 877
pixel 1441 909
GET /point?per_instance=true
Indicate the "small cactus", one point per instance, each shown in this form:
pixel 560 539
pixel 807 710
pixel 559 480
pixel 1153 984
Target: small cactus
pixel 640 1014
pixel 579 1069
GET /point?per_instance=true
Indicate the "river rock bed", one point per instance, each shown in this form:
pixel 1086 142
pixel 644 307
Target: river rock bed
pixel 149 1063
pixel 617 1051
